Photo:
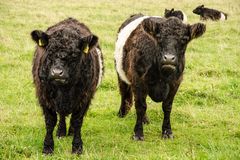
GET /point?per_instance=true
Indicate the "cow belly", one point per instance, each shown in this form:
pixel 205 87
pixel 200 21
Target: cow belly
pixel 158 91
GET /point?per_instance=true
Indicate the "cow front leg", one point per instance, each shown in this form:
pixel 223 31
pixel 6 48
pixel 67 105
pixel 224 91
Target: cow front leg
pixel 166 126
pixel 50 121
pixel 141 106
pixel 167 108
pixel 77 120
pixel 61 132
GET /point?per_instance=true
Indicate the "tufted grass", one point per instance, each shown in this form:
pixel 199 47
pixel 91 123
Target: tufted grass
pixel 205 116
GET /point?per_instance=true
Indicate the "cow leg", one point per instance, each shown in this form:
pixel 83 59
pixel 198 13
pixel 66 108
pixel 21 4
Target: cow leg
pixel 167 108
pixel 141 107
pixel 50 121
pixel 61 132
pixel 166 126
pixel 146 119
pixel 76 123
pixel 71 129
pixel 126 98
pixel 77 120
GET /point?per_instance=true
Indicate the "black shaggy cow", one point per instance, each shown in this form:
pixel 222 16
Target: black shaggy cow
pixel 175 13
pixel 207 13
pixel 150 59
pixel 67 68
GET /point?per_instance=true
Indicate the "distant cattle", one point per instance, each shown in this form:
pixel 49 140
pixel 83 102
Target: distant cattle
pixel 175 13
pixel 207 13
pixel 67 69
pixel 149 60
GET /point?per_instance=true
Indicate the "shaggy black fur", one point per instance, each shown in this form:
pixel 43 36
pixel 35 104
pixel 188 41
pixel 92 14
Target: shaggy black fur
pixel 172 13
pixel 153 60
pixel 65 72
pixel 207 13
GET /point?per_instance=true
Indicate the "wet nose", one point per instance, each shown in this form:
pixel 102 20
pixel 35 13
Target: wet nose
pixel 169 58
pixel 57 72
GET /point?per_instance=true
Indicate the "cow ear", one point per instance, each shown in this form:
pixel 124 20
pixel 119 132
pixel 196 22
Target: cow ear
pixel 87 43
pixel 197 30
pixel 150 26
pixel 202 6
pixel 172 9
pixel 40 37
pixel 166 12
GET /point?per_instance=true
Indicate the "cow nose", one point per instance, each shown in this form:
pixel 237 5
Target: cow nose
pixel 56 72
pixel 169 58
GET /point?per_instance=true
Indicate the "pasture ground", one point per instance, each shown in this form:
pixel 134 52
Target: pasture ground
pixel 206 110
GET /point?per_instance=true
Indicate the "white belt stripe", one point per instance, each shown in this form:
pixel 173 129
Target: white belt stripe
pixel 121 40
pixel 100 66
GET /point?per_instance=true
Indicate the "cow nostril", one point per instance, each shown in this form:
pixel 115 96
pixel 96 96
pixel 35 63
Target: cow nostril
pixel 169 58
pixel 61 73
pixel 165 57
pixel 57 72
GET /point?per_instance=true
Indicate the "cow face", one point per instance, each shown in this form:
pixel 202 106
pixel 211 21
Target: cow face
pixel 198 10
pixel 168 13
pixel 172 37
pixel 63 54
pixel 172 13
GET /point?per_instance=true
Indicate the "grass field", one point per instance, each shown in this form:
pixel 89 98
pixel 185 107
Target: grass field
pixel 206 110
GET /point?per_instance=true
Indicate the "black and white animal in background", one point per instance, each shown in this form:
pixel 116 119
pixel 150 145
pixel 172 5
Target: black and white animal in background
pixel 175 13
pixel 150 60
pixel 67 69
pixel 207 13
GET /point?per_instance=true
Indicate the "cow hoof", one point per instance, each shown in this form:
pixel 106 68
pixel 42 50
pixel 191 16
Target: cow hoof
pixel 77 150
pixel 167 135
pixel 70 131
pixel 122 114
pixel 138 138
pixel 47 151
pixel 146 120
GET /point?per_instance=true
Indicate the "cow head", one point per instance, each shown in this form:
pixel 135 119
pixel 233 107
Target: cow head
pixel 172 37
pixel 168 13
pixel 199 10
pixel 64 51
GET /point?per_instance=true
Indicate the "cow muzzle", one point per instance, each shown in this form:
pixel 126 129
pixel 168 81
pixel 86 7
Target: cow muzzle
pixel 168 62
pixel 58 75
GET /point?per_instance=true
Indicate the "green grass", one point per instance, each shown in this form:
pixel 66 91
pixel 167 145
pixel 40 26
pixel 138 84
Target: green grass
pixel 205 116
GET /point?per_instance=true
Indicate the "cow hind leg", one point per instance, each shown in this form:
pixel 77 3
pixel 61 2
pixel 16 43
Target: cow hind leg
pixel 71 129
pixel 50 121
pixel 61 132
pixel 126 98
pixel 146 119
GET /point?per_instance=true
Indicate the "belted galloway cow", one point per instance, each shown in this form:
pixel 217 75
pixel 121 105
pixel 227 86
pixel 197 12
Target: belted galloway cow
pixel 150 59
pixel 67 69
